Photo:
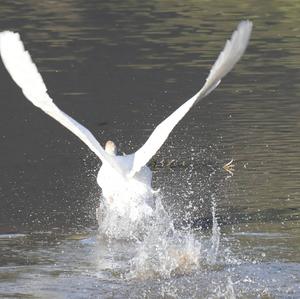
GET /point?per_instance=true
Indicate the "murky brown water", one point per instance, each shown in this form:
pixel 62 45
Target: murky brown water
pixel 119 68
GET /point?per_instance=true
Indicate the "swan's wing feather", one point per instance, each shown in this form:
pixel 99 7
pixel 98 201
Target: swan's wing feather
pixel 25 73
pixel 232 52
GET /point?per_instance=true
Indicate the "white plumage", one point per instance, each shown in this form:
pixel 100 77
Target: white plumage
pixel 125 180
pixel 25 73
pixel 234 49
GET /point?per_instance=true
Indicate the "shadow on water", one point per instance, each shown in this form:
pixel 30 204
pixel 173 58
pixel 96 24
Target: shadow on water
pixel 120 68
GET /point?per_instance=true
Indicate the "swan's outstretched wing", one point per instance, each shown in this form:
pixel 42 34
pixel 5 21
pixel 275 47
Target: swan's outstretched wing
pixel 24 72
pixel 232 52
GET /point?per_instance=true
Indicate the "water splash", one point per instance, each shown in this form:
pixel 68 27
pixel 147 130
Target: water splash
pixel 228 291
pixel 160 249
pixel 215 238
pixel 112 225
pixel 165 251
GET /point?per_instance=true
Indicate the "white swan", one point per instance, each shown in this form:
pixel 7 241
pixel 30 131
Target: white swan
pixel 125 180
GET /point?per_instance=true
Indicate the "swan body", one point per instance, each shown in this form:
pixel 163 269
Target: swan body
pixel 128 196
pixel 125 180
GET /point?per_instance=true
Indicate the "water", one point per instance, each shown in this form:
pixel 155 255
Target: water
pixel 120 68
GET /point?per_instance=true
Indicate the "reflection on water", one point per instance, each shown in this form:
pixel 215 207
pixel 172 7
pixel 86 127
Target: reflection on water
pixel 120 68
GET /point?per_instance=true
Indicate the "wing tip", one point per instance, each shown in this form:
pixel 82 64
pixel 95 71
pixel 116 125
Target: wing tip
pixel 246 23
pixel 9 41
pixel 245 28
pixel 8 36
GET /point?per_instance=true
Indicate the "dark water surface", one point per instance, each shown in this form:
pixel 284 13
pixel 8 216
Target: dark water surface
pixel 119 68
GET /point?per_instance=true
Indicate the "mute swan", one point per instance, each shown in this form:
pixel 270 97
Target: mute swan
pixel 125 180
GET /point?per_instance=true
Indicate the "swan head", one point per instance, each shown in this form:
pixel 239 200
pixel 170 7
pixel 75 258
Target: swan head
pixel 111 148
